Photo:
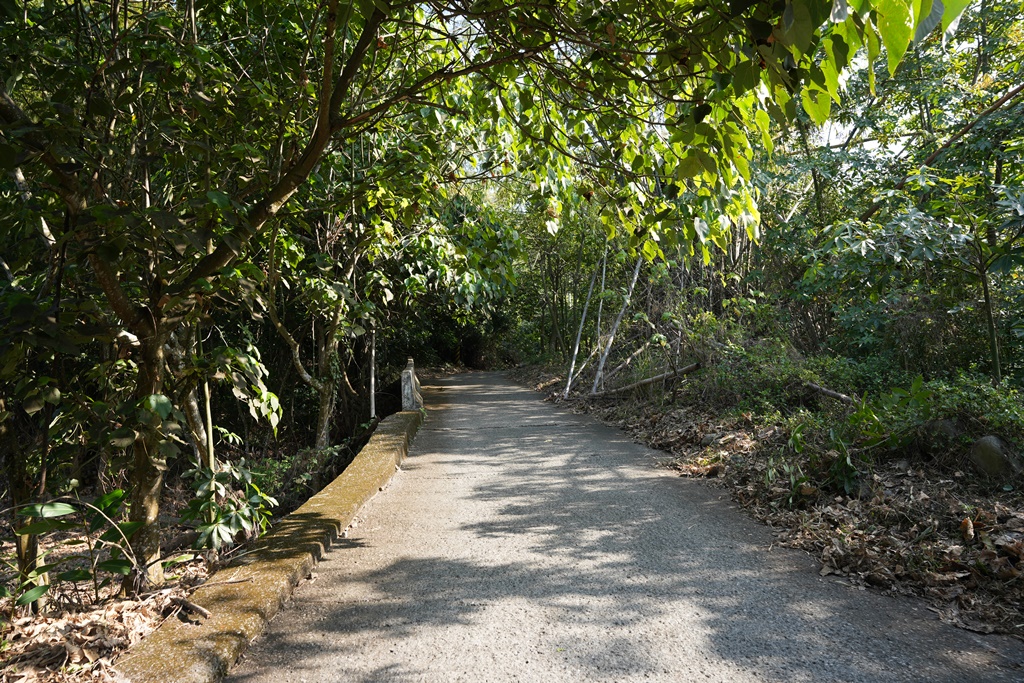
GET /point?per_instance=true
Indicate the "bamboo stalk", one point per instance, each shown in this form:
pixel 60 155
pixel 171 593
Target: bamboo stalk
pixel 579 335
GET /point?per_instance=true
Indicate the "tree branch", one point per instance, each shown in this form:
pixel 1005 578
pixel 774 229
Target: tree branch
pixel 873 209
pixel 291 180
pixel 842 398
pixel 293 345
pixel 438 76
pixel 650 380
pixel 38 146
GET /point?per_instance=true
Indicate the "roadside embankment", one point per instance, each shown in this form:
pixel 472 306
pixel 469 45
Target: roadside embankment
pixel 243 597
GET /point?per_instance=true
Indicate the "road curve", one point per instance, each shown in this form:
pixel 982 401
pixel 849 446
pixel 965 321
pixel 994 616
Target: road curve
pixel 523 543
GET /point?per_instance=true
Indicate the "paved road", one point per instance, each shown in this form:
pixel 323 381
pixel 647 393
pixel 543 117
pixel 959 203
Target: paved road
pixel 523 543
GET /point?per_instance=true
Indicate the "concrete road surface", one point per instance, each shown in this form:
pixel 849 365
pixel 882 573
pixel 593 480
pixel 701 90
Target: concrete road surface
pixel 523 543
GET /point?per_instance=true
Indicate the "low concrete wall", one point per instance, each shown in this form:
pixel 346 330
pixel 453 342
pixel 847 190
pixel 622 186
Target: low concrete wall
pixel 262 580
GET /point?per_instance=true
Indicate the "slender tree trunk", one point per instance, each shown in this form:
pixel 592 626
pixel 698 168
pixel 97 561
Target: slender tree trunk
pixel 615 327
pixel 579 335
pixel 600 296
pixel 328 390
pixel 196 423
pixel 13 452
pixel 181 347
pixel 148 471
pixel 557 344
pixel 993 340
pixel 324 415
pixel 373 372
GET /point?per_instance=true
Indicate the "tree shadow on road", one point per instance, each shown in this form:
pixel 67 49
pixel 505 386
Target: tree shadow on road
pixel 606 568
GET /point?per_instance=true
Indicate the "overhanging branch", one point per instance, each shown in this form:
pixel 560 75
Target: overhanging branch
pixel 873 209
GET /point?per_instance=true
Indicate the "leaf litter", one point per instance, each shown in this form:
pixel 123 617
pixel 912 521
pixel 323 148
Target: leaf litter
pixel 909 528
pixel 78 638
pixel 82 645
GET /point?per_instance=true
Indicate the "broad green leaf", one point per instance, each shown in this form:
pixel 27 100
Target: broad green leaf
pixel 801 32
pixel 178 559
pixel 158 404
pixel 930 17
pixel 32 595
pixel 219 199
pixel 122 531
pixel 111 501
pixel 45 526
pixel 651 251
pixel 123 437
pixel 764 125
pixel 709 162
pixel 828 69
pixel 75 575
pixel 42 569
pixel 896 27
pixel 33 404
pixel 122 567
pixel 47 510
pixel 689 167
pixel 951 11
pixel 742 166
pixel 817 103
pixel 874 49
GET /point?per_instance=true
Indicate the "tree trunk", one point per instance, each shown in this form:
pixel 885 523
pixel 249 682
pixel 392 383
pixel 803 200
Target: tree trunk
pixel 600 296
pixel 373 371
pixel 842 398
pixel 148 474
pixel 196 423
pixel 323 418
pixel 615 327
pixel 579 335
pixel 327 344
pixel 181 346
pixel 13 452
pixel 993 340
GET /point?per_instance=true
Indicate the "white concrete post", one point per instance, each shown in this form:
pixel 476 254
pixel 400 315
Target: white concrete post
pixel 411 397
pixel 373 372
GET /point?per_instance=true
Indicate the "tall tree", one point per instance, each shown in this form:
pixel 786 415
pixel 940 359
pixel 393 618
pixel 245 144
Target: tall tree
pixel 166 139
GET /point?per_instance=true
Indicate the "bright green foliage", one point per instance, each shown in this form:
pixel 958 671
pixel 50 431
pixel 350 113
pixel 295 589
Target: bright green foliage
pixel 288 171
pixel 229 506
pixel 885 283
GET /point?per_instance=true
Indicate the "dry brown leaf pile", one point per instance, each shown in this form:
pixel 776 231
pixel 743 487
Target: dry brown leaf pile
pixel 80 646
pixel 75 640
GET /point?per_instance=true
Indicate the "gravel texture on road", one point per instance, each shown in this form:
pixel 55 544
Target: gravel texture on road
pixel 524 543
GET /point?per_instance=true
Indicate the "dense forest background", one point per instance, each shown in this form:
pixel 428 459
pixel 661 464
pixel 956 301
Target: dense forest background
pixel 226 226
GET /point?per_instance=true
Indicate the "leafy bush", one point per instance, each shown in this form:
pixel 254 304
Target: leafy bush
pixel 228 504
pixel 91 526
pixel 760 377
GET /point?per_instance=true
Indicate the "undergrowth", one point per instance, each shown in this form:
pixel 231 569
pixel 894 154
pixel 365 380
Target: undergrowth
pixel 878 486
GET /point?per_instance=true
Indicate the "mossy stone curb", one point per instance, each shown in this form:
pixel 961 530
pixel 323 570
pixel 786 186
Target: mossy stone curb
pixel 262 580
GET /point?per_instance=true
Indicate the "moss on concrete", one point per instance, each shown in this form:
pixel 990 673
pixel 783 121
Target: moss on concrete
pixel 262 580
